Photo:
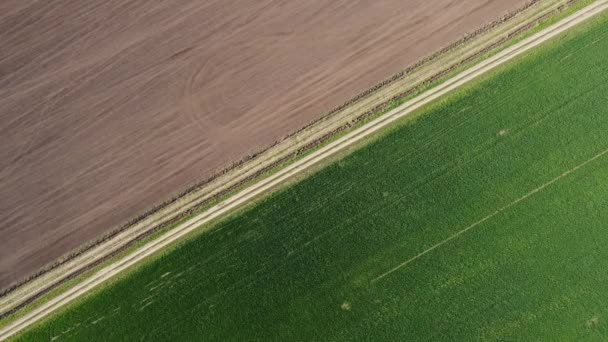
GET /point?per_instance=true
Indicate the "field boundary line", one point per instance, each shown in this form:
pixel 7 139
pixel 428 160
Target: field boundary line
pixel 432 70
pixel 488 217
pixel 203 193
pixel 314 158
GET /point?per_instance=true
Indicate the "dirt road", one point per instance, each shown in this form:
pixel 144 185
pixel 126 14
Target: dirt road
pixel 109 107
pixel 303 164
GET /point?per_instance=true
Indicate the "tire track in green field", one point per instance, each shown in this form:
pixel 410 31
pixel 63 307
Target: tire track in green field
pixel 490 216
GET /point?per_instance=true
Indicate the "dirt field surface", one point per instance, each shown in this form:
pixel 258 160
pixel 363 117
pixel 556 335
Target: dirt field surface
pixel 109 107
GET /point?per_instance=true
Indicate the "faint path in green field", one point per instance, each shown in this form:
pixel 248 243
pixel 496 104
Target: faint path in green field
pixel 486 218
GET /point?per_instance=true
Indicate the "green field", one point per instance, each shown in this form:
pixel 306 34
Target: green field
pixel 494 203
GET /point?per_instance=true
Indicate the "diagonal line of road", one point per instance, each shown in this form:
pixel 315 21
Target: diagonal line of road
pixel 305 163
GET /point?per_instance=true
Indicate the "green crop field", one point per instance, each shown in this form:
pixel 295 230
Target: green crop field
pixel 484 218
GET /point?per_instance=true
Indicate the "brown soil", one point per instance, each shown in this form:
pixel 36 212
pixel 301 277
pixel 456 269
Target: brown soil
pixel 109 107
